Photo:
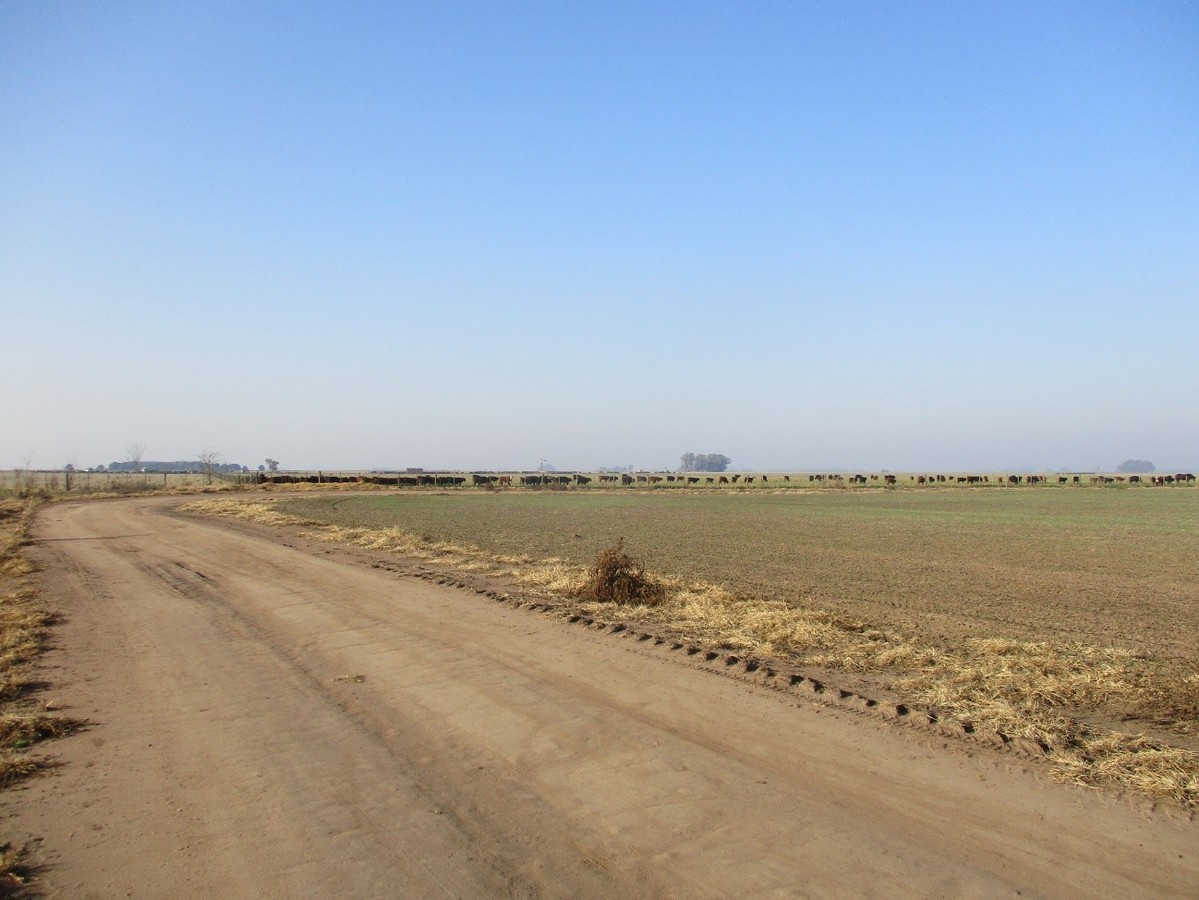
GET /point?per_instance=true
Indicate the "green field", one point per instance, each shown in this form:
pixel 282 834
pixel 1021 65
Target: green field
pixel 1107 567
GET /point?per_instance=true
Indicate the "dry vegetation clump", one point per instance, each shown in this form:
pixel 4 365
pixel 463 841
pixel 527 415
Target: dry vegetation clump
pixel 14 870
pixel 1146 766
pixel 618 578
pixel 1169 700
pixel 263 512
pixel 1020 689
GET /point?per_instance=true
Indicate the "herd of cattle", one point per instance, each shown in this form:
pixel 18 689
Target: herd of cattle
pixel 577 479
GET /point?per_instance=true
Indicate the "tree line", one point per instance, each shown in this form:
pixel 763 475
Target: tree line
pixel 704 462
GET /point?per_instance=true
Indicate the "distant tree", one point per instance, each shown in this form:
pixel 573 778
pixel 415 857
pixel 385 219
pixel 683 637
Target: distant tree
pixel 704 462
pixel 100 468
pixel 210 462
pixel 134 454
pixel 1136 465
pixel 272 465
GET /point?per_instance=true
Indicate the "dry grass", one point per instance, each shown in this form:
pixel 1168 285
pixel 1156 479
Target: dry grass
pixel 14 870
pixel 15 519
pixel 1145 766
pixel 19 730
pixel 24 620
pixel 1019 688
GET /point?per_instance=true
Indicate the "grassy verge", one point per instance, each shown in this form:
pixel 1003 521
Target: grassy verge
pixel 24 620
pixel 1045 691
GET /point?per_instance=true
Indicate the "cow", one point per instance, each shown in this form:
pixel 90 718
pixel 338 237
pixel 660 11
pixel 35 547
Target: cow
pixel 889 479
pixel 626 479
pixel 692 479
pixel 723 479
pixel 749 479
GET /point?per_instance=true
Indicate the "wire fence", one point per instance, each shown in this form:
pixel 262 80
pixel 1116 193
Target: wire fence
pixel 31 481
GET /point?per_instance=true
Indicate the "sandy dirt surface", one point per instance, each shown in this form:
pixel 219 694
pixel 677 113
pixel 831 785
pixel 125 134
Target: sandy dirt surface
pixel 273 719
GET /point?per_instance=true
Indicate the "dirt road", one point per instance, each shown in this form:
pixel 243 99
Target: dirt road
pixel 278 720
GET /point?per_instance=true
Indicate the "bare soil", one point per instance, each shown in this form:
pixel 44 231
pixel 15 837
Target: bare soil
pixel 1100 566
pixel 277 717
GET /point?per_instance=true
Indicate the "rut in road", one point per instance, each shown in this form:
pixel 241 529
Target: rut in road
pixel 274 720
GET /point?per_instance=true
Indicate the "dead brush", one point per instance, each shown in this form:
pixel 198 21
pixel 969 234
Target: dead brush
pixel 15 870
pixel 18 731
pixel 616 577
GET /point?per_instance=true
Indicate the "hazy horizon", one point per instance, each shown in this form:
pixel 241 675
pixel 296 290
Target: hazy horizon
pixel 476 236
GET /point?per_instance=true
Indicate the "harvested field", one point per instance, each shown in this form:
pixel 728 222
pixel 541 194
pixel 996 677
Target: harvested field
pixel 1064 619
pixel 1111 567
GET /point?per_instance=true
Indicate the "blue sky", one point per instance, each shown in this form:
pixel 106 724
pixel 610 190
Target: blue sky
pixel 479 235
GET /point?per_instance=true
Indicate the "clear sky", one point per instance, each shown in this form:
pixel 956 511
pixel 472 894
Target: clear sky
pixel 481 235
